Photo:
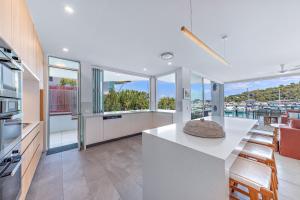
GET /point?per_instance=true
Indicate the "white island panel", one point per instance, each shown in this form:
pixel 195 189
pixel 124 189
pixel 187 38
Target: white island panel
pixel 178 166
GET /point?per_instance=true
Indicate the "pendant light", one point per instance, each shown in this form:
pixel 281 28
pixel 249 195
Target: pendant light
pixel 199 42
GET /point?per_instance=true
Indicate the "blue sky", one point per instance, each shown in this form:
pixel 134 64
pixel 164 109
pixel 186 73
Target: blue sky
pixel 169 89
pixel 237 88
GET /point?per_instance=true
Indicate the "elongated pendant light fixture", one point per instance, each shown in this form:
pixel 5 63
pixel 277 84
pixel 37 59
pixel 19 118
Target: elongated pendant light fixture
pixel 200 43
pixel 204 46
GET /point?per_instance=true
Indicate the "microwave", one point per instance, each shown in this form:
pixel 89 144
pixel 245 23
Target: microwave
pixel 10 78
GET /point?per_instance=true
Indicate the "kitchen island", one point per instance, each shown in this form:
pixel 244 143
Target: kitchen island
pixel 178 166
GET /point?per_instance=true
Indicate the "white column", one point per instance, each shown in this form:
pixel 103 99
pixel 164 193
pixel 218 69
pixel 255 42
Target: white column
pixel 152 93
pixel 217 99
pixel 183 106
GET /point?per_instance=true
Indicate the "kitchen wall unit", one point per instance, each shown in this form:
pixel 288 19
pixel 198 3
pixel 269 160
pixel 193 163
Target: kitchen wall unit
pixel 31 149
pixel 94 126
pixel 103 127
pixel 17 30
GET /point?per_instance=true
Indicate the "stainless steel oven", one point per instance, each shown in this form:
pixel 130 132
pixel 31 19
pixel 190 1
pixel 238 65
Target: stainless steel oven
pixel 10 124
pixel 10 76
pixel 10 175
pixel 10 157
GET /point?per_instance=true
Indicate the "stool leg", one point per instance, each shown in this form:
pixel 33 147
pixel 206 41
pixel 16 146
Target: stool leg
pixel 274 186
pixel 253 194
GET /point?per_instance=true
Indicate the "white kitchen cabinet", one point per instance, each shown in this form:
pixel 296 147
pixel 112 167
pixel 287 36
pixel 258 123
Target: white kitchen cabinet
pixel 113 128
pixel 94 130
pixel 98 129
pixel 142 122
pixel 162 119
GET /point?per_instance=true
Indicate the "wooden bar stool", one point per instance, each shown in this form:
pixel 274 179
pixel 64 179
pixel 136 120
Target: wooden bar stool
pixel 252 179
pixel 262 132
pixel 273 134
pixel 261 139
pixel 259 153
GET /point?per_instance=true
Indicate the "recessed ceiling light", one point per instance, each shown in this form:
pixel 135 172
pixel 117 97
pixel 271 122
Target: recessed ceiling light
pixel 60 64
pixel 145 69
pixel 169 63
pixel 65 50
pixel 69 9
pixel 167 55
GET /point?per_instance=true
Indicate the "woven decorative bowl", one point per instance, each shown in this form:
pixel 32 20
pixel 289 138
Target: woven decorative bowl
pixel 204 129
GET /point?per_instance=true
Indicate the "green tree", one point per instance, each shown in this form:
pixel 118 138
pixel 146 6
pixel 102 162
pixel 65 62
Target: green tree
pixel 126 100
pixel 288 92
pixel 167 103
pixel 111 101
pixel 68 81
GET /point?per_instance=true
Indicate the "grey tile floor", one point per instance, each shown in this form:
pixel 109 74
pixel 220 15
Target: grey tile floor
pixel 113 171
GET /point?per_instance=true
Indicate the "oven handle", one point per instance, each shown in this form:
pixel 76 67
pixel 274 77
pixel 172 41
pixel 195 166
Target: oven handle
pixel 13 172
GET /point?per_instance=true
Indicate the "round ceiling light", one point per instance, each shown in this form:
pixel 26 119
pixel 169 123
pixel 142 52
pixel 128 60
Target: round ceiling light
pixel 65 49
pixel 69 9
pixel 167 55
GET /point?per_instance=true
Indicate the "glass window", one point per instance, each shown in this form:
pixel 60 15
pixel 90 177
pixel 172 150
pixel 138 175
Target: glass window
pixel 197 96
pixel 125 92
pixel 259 98
pixel 62 91
pixel 166 92
pixel 58 62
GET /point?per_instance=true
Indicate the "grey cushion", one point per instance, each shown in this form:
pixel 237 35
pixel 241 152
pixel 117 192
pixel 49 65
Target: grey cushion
pixel 205 129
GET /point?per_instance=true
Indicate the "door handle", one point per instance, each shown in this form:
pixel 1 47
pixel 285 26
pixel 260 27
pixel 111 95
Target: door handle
pixel 75 116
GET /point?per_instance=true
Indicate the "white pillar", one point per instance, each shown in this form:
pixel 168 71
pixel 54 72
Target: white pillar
pixel 217 99
pixel 152 93
pixel 183 106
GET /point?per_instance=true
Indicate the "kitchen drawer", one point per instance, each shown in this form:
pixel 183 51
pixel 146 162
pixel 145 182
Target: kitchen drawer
pixel 28 138
pixel 30 151
pixel 29 173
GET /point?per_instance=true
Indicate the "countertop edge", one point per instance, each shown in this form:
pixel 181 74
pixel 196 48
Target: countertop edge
pixel 89 115
pixel 29 128
pixel 148 132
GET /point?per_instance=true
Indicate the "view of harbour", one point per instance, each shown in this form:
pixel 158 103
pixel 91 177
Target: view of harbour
pixel 264 99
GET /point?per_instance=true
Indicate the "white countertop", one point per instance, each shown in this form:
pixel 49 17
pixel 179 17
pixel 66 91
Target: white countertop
pixel 126 112
pixel 235 128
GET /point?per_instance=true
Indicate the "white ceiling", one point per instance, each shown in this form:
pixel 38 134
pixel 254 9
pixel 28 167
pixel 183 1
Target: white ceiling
pixel 131 34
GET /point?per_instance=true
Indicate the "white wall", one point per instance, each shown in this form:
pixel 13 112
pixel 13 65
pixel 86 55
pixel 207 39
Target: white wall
pixel 60 123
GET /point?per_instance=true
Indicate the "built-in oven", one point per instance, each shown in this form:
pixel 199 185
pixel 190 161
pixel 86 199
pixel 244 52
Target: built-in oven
pixel 10 76
pixel 10 157
pixel 10 174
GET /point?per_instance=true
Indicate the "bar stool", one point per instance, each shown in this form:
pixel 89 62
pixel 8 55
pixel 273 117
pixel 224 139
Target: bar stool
pixel 262 132
pixel 256 178
pixel 259 153
pixel 261 139
pixel 273 134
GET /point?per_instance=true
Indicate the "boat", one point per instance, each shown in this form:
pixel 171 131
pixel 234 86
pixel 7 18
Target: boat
pixel 229 109
pixel 241 109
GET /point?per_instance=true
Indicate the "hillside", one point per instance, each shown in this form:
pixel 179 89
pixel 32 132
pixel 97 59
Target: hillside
pixel 287 92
